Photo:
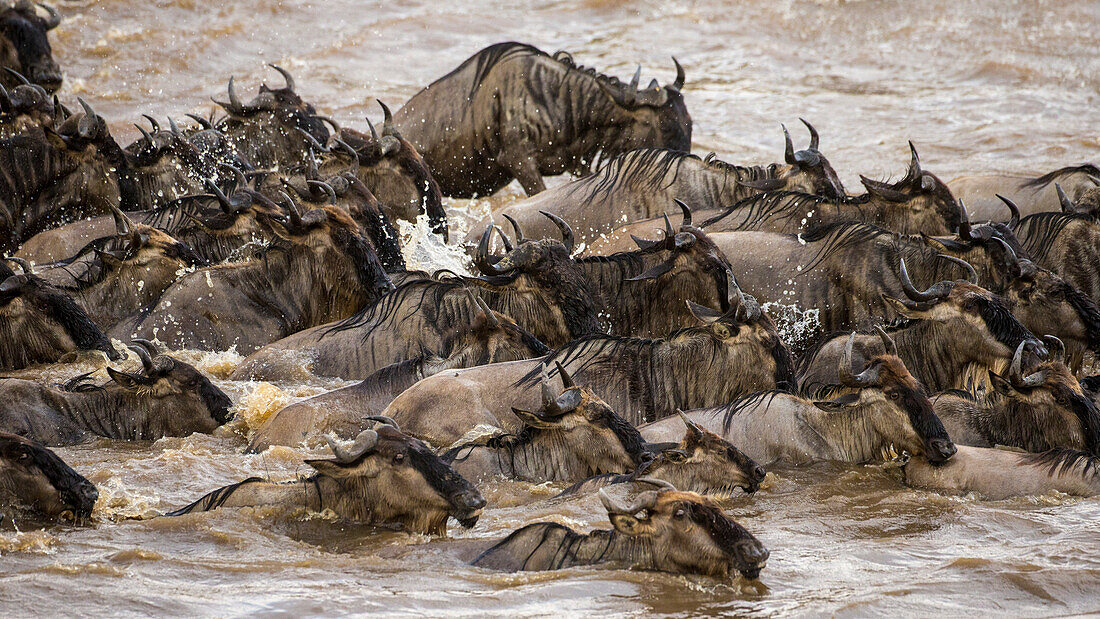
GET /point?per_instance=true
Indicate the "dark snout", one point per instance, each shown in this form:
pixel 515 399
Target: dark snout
pixel 468 506
pixel 47 76
pixel 79 496
pixel 940 450
pixel 216 402
pixel 751 557
pixel 88 494
pixel 758 474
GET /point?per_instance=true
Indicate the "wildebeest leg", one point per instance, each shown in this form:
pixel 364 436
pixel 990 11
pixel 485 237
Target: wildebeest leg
pixel 523 166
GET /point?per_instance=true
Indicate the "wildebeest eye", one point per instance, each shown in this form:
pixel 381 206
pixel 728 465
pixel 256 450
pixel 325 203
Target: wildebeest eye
pixel 893 395
pixel 398 458
pixel 679 514
pixel 24 456
pixel 721 331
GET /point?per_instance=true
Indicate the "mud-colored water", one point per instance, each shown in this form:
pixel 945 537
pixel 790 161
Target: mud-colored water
pixel 979 87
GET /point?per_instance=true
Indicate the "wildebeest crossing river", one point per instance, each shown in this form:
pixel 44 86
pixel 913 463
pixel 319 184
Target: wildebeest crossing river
pixel 979 88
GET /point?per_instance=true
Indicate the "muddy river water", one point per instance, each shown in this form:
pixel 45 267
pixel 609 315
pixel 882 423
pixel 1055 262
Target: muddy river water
pixel 978 86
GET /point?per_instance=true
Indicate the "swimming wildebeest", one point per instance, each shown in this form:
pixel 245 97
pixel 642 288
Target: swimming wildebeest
pixel 41 324
pixel 1037 410
pixel 320 269
pixel 885 407
pixel 27 110
pixel 918 203
pixel 168 398
pixel 661 530
pixel 268 130
pixel 513 111
pixel 385 478
pixel 25 46
pixel 701 462
pixel 572 436
pixel 946 330
pixel 998 474
pixel 727 355
pixel 117 276
pixel 1067 243
pixel 1032 194
pixel 491 338
pixel 642 184
pixel 35 479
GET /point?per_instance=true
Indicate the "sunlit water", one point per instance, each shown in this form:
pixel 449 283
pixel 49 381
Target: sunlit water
pixel 1009 86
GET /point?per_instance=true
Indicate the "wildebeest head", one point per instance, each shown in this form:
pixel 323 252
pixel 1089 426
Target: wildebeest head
pixel 397 478
pixel 593 433
pixel 268 130
pixel 806 170
pixel 491 337
pixel 101 167
pixel 686 533
pixel 1052 397
pixel 975 318
pixel 895 404
pixel 918 201
pixel 393 170
pixel 196 404
pixel 165 164
pixel 24 46
pixel 34 477
pixel 330 233
pixel 656 117
pixel 41 322
pixel 25 109
pixel 704 461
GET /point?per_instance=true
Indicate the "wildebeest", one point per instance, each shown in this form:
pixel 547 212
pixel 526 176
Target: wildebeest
pixel 27 109
pixel 885 407
pixel 662 530
pixel 320 269
pixel 25 46
pixel 701 462
pixel 572 436
pixel 1038 410
pixel 1032 194
pixel 35 479
pixel 168 398
pixel 997 474
pixel 268 130
pixel 115 277
pixel 642 184
pixel 727 355
pixel 385 478
pixel 1066 243
pixel 60 176
pixel 918 203
pixel 491 338
pixel 513 111
pixel 41 324
pixel 944 330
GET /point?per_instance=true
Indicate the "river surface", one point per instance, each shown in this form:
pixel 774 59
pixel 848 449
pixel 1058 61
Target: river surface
pixel 979 87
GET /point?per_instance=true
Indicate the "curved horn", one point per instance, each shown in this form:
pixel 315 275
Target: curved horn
pixel 145 135
pixel 388 128
pixel 515 228
pixel 7 106
pixel 1057 348
pixel 696 431
pixel 566 231
pixel 813 134
pixel 366 441
pixel 205 124
pixel 971 274
pixel 146 360
pixel 636 80
pixel 481 259
pixel 152 122
pixel 846 369
pixel 566 380
pixel 1015 368
pixel 788 148
pixel 660 483
pixel 292 208
pixel 373 132
pixel 549 400
pixel 680 78
pixel 933 293
pixel 55 17
pixel 326 188
pixel 686 211
pixel 645 500
pixel 173 126
pixel 286 76
pixel 122 222
pixel 1014 211
pixel 351 153
pixel 887 341
pixel 223 200
pixel 965 232
pixel 336 128
pixel 234 100
pixel 914 161
pixel 1010 255
pixel 89 122
pixel 149 347
pixel 19 76
pixel 23 264
pixel 1067 205
pixel 384 419
pixel 312 140
pixel 491 318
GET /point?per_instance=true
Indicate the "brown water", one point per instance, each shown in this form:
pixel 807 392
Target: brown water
pixel 1004 86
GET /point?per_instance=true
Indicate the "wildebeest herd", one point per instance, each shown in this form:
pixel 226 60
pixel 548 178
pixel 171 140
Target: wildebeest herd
pixel 620 334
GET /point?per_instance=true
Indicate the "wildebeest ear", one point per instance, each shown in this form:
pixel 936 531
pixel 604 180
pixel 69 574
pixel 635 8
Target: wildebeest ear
pixel 705 315
pixel 1000 384
pixel 908 310
pixel 534 420
pixel 675 455
pixel 130 382
pixel 630 525
pixel 330 468
pixel 882 190
pixel 278 228
pixel 837 404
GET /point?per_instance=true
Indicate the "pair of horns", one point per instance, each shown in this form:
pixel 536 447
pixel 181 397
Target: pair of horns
pixel 151 359
pixel 364 442
pixel 567 401
pixel 645 501
pixel 938 290
pixel 810 156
